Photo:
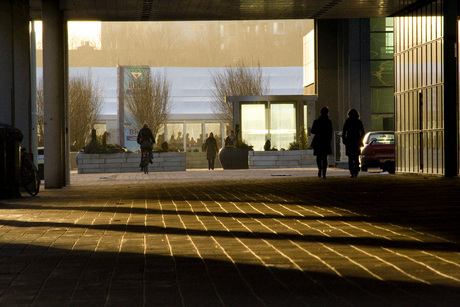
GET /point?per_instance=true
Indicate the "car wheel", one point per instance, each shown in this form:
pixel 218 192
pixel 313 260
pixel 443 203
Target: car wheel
pixel 364 168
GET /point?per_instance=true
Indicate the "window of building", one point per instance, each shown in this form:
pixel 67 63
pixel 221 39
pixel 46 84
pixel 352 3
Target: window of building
pixel 279 28
pixel 175 135
pixel 193 136
pixel 282 124
pixel 309 59
pixel 382 74
pixel 273 121
pixel 231 30
pixel 305 117
pixel 254 128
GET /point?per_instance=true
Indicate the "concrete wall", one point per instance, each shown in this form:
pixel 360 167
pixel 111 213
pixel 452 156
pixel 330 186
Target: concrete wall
pixel 129 162
pixel 180 161
pixel 343 69
pixel 196 160
pixel 281 159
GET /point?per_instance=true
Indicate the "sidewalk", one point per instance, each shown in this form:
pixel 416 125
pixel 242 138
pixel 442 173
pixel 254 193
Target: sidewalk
pixel 200 175
pixel 234 238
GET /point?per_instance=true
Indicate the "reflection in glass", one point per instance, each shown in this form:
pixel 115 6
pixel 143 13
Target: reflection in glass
pixel 282 125
pixel 160 137
pixel 382 122
pixel 382 73
pixel 192 136
pixel 382 100
pixel 175 137
pixel 253 125
pixel 305 116
pixel 381 46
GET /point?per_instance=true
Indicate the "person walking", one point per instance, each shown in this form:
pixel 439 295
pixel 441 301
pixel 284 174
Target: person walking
pixel 352 138
pixel 211 149
pixel 322 129
pixel 146 140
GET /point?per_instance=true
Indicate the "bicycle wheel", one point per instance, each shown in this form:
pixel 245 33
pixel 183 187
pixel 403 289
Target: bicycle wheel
pixel 30 177
pixel 145 166
pixel 145 163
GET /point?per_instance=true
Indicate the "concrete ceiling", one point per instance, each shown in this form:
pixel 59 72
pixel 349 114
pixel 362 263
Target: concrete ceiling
pixel 184 10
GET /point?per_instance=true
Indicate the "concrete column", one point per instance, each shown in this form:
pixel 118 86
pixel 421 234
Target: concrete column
pixel 6 63
pixel 343 69
pixel 327 69
pixel 15 66
pixel 53 90
pixel 451 101
pixel 66 124
pixel 21 70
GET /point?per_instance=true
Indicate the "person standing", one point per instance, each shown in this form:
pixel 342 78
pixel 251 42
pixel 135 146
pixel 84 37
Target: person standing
pixel 210 146
pixel 322 129
pixel 352 138
pixel 146 140
pixel 230 140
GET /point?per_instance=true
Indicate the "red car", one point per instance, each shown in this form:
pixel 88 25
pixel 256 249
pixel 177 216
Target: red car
pixel 378 151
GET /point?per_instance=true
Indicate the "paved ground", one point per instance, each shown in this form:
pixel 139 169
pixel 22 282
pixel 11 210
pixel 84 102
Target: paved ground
pixel 234 238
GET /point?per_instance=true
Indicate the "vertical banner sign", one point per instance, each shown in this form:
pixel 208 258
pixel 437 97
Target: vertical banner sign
pixel 127 76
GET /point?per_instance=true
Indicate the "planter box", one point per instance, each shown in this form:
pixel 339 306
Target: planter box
pixel 129 162
pixel 234 158
pixel 281 159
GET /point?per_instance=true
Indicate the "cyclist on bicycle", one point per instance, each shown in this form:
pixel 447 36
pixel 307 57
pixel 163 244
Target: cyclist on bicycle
pixel 146 140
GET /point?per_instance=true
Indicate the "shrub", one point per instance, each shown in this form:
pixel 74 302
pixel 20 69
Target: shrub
pixel 242 145
pixel 302 144
pixel 303 139
pixel 94 145
pixel 294 146
pixel 165 147
pixel 98 145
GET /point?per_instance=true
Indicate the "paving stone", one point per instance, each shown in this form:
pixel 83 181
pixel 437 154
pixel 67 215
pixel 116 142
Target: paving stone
pixel 234 238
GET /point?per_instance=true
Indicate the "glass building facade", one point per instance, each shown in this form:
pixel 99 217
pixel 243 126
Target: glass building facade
pixel 419 91
pixel 187 135
pixel 268 121
pixel 275 118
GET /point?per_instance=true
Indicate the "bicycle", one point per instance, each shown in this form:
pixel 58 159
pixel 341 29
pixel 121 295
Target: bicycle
pixel 145 160
pixel 30 177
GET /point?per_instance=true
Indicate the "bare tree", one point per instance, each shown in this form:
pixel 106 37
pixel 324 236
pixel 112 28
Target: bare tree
pixel 237 80
pixel 85 104
pixel 149 101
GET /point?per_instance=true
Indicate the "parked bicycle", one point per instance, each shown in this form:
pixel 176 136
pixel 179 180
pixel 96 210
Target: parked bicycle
pixel 30 177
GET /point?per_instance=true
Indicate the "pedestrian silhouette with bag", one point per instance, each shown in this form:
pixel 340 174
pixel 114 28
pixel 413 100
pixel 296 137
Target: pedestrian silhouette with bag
pixel 322 129
pixel 352 138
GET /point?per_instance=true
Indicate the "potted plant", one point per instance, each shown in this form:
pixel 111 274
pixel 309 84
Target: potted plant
pixel 236 156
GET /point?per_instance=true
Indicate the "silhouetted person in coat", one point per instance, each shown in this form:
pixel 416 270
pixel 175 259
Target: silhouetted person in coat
pixel 211 150
pixel 230 140
pixel 322 129
pixel 146 140
pixel 352 137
